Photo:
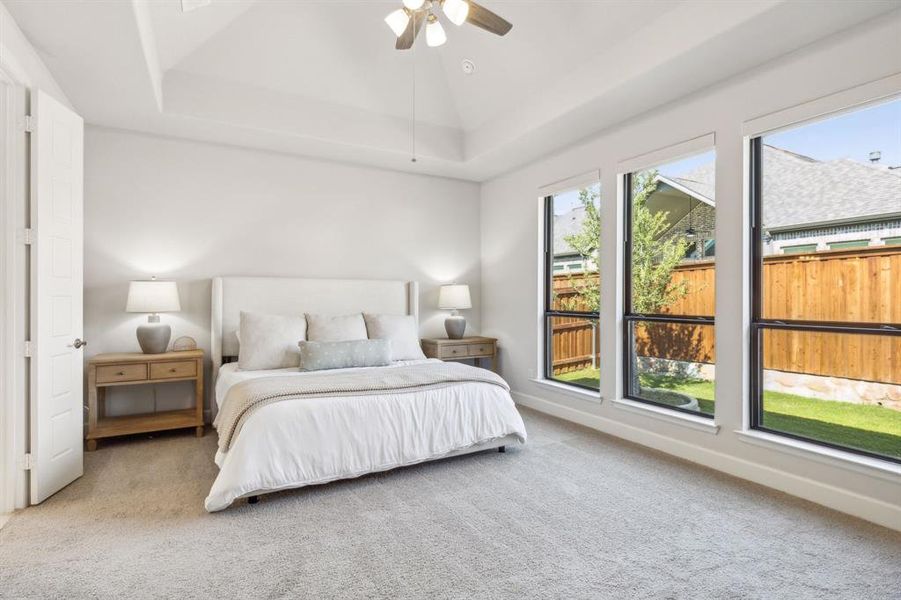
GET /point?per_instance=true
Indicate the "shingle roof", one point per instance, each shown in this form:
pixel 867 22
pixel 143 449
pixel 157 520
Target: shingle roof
pixel 801 191
pixel 569 223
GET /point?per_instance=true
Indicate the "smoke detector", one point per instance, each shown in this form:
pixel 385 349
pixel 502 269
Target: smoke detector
pixel 468 66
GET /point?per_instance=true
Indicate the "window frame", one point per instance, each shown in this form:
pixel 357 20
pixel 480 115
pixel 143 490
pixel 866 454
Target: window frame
pixel 630 317
pixel 759 324
pixel 548 309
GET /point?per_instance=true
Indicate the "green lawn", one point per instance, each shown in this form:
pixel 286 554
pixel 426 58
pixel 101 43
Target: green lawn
pixel 865 427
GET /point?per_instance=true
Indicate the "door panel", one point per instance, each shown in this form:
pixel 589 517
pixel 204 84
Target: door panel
pixel 56 296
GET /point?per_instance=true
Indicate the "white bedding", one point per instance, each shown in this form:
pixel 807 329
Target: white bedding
pixel 308 441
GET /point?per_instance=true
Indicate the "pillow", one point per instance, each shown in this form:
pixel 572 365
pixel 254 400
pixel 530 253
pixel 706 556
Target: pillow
pixel 328 328
pixel 401 330
pixel 270 341
pixel 317 356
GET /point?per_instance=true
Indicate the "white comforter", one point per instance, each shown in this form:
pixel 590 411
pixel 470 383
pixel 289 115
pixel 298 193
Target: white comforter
pixel 308 441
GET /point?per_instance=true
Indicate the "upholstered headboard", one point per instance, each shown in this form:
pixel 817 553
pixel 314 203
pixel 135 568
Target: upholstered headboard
pixel 296 296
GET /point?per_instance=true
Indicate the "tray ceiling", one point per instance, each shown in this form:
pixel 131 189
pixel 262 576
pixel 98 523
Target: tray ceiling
pixel 322 78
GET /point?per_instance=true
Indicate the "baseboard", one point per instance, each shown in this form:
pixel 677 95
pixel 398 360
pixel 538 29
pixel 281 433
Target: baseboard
pixel 4 519
pixel 842 500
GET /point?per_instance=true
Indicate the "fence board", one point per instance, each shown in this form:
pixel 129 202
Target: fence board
pixel 859 284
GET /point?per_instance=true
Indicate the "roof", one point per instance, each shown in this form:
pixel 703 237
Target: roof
pixel 801 192
pixel 565 225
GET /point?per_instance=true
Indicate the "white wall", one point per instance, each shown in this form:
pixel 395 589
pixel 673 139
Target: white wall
pixel 511 270
pixel 21 71
pixel 190 211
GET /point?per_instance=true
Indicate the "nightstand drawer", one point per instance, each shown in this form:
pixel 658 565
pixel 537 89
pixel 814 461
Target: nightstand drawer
pixel 481 350
pixel 455 351
pixel 118 373
pixel 170 370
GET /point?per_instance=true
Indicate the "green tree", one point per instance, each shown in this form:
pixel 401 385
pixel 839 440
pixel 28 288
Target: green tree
pixel 653 257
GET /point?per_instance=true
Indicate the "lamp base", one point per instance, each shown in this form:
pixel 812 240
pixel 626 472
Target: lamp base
pixel 455 326
pixel 154 337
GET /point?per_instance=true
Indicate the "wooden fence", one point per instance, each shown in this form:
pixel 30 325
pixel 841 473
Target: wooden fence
pixel 860 284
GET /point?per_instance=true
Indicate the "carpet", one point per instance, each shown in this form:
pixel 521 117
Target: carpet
pixel 572 514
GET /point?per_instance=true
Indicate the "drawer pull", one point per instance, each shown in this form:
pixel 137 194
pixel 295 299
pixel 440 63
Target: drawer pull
pixel 120 373
pixel 172 370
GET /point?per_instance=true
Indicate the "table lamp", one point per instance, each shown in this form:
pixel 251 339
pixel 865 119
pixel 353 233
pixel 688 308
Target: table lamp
pixel 153 297
pixel 454 297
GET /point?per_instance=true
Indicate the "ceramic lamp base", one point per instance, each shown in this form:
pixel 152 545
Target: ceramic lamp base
pixel 455 327
pixel 154 337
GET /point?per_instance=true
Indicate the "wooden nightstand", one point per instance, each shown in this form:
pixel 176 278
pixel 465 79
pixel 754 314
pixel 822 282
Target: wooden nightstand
pixel 477 348
pixel 108 370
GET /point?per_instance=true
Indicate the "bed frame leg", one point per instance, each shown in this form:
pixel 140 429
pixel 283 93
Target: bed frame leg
pixel 502 449
pixel 253 499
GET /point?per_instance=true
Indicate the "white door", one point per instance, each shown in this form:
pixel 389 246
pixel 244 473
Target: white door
pixel 57 179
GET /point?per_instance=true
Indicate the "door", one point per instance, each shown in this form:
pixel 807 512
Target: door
pixel 57 160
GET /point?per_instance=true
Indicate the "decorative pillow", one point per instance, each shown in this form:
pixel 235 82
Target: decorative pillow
pixel 400 329
pixel 270 341
pixel 329 328
pixel 317 356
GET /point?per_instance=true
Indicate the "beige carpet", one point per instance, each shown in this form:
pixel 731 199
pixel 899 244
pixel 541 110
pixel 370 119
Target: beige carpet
pixel 573 514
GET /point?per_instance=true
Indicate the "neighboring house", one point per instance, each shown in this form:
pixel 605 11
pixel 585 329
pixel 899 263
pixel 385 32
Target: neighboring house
pixel 810 206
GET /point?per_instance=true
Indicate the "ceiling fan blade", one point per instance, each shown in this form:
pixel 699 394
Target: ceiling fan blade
pixel 487 20
pixel 406 39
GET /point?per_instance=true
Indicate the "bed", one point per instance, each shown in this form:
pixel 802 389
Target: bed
pixel 309 440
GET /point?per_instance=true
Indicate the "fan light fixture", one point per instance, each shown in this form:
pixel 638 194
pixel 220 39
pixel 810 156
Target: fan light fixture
pixel 407 22
pixel 456 11
pixel 434 32
pixel 398 21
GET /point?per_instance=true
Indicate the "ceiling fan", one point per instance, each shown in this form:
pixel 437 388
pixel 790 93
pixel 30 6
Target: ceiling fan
pixel 406 22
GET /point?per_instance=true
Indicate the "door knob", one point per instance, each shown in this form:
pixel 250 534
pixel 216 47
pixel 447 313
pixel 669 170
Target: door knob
pixel 78 343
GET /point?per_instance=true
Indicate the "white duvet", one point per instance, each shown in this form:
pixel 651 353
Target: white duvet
pixel 307 441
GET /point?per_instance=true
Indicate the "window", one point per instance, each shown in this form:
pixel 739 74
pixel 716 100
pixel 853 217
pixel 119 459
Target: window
pixel 669 285
pixel 572 287
pixel 799 249
pixel 826 330
pixel 849 244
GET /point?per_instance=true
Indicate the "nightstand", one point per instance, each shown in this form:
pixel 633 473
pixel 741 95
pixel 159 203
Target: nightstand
pixel 477 348
pixel 112 370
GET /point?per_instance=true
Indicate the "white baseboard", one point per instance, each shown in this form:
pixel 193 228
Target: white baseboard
pixel 842 500
pixel 4 519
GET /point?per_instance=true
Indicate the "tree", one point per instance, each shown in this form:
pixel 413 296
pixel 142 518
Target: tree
pixel 653 257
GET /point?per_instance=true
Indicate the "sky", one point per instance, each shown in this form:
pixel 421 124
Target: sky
pixel 852 135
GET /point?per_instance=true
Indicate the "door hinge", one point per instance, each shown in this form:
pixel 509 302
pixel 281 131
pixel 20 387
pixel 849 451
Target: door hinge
pixel 28 349
pixel 28 236
pixel 30 124
pixel 27 462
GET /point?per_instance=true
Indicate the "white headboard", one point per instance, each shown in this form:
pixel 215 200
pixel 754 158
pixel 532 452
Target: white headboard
pixel 296 296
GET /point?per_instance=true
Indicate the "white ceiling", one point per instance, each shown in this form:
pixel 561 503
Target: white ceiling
pixel 322 78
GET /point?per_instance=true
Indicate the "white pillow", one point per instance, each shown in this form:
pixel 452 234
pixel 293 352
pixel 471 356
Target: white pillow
pixel 270 341
pixel 330 328
pixel 401 330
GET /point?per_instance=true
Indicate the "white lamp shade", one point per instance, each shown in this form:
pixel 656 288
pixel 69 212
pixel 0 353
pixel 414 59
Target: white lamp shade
pixel 398 21
pixel 453 297
pixel 152 297
pixel 456 11
pixel 434 34
pixel 414 4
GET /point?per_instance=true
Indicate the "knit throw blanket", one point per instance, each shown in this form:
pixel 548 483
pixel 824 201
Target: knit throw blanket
pixel 247 397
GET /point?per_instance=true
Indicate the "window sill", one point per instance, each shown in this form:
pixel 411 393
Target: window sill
pixel 570 390
pixel 697 423
pixel 823 454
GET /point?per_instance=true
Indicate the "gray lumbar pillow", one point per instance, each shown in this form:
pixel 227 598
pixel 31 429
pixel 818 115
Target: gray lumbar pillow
pixel 401 330
pixel 318 356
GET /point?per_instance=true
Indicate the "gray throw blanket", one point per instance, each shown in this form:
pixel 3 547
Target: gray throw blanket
pixel 246 397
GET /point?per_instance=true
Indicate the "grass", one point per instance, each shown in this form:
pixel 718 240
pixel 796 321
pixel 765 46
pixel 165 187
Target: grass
pixel 865 427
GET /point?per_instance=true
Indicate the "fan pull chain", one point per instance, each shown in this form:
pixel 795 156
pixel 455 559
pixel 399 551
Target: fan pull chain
pixel 414 98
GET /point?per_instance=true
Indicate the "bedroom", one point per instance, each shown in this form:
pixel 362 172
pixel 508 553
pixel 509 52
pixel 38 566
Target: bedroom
pixel 287 160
